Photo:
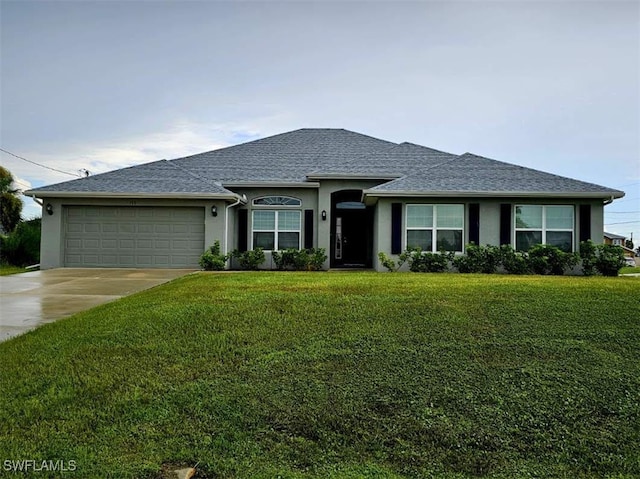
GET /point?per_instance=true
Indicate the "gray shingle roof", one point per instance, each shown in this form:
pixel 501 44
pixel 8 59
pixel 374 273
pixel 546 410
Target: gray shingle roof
pixel 476 174
pixel 284 157
pixel 308 154
pixel 152 178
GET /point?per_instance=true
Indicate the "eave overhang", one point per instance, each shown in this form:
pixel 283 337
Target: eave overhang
pixel 353 176
pixel 103 194
pixel 271 184
pixel 371 196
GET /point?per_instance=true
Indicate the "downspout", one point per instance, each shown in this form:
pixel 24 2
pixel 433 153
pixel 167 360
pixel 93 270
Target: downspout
pixel 37 200
pixel 609 201
pixel 242 199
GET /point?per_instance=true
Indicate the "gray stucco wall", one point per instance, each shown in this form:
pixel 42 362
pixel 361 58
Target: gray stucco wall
pixel 489 220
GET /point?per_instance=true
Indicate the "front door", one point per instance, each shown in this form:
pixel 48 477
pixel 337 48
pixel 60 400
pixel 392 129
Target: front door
pixel 352 233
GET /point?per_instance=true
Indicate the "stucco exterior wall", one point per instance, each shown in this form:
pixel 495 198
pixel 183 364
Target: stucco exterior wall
pixel 489 227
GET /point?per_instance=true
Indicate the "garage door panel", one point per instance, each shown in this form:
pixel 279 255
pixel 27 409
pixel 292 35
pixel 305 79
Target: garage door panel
pixel 133 236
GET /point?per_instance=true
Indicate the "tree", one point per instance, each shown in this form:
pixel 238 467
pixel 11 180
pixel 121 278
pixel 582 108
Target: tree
pixel 10 202
pixel 629 244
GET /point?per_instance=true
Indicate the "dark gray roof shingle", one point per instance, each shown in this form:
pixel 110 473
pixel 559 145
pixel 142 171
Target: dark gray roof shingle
pixel 305 154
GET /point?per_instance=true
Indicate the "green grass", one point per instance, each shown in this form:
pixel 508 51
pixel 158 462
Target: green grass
pixel 294 375
pixel 630 270
pixel 7 269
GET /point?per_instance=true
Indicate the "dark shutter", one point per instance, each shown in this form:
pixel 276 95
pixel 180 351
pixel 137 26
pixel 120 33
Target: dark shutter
pixel 243 229
pixel 585 222
pixel 308 229
pixel 505 223
pixel 396 228
pixel 474 223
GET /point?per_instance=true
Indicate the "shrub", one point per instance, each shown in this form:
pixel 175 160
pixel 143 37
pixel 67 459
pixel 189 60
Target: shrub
pixel 317 257
pixel 22 246
pixel 389 263
pixel 426 262
pixel 212 259
pixel 547 259
pixel 299 259
pixel 513 261
pixel 250 260
pixel 589 257
pixel 478 259
pixel 610 259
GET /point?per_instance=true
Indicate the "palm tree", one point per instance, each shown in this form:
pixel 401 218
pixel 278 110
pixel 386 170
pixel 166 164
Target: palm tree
pixel 10 202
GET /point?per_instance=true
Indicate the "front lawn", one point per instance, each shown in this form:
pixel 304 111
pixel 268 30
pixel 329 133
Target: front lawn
pixel 301 375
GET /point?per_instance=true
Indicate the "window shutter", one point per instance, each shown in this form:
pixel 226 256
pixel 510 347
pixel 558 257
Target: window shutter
pixel 474 223
pixel 585 222
pixel 243 229
pixel 308 229
pixel 505 223
pixel 396 228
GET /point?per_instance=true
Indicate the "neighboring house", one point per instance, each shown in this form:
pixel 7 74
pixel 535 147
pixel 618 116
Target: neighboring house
pixel 617 240
pixel 349 193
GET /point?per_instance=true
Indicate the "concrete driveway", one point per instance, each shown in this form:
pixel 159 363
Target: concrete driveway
pixel 30 299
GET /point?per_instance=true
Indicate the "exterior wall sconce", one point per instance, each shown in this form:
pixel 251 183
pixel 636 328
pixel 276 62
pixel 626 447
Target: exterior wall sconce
pixel 324 215
pixel 49 208
pixel 214 210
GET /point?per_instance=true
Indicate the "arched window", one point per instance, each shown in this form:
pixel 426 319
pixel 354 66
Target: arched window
pixel 276 201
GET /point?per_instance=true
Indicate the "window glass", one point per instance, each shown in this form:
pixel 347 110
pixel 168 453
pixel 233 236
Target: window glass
pixel 450 216
pixel 288 220
pixel 529 216
pixel 288 240
pixel 526 239
pixel 277 200
pixel 419 216
pixel 449 240
pixel 419 239
pixel 264 220
pixel 264 240
pixel 559 217
pixel 561 239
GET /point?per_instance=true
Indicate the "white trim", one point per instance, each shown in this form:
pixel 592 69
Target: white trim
pixel 489 194
pixel 271 184
pixel 543 229
pixel 276 231
pixel 276 205
pixel 434 224
pixel 102 194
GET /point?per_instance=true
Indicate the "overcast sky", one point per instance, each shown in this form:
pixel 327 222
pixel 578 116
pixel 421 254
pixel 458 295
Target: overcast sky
pixel 552 85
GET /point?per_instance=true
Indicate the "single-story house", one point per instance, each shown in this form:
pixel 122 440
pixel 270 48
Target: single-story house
pixel 346 192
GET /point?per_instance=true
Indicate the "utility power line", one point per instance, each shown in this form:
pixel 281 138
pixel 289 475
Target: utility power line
pixel 38 164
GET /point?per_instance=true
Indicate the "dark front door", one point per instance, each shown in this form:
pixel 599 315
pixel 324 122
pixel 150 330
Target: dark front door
pixel 352 234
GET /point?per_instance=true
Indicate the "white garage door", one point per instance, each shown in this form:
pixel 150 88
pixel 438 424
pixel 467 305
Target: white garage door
pixel 134 237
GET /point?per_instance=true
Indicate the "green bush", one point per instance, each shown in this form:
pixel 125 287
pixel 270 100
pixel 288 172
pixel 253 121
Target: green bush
pixel 250 260
pixel 22 246
pixel 478 259
pixel 212 259
pixel 426 262
pixel 547 259
pixel 512 261
pixel 610 259
pixel 389 263
pixel 589 257
pixel 299 259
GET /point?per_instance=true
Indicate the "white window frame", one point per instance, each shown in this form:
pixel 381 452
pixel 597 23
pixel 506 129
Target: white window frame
pixel 434 225
pixel 276 231
pixel 544 228
pixel 280 201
